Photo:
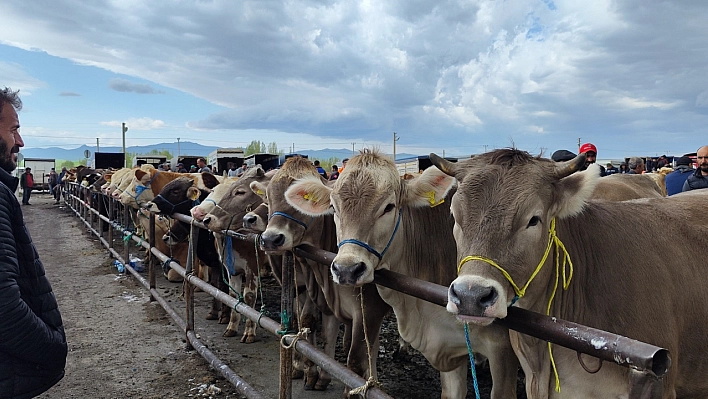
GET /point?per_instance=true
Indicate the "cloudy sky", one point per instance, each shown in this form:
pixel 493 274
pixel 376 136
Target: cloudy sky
pixel 458 77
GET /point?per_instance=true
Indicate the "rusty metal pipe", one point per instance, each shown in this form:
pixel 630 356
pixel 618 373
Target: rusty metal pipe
pixel 598 343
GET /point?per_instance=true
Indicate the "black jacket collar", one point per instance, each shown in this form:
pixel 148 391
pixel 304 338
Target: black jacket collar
pixel 8 180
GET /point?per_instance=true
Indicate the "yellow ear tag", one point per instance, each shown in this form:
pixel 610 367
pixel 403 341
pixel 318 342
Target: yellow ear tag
pixel 431 198
pixel 194 195
pixel 309 197
pixel 259 192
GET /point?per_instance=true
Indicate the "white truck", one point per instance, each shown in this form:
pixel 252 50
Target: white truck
pixel 40 171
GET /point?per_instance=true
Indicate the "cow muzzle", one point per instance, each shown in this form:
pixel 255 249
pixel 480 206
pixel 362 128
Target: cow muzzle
pixel 350 273
pixel 476 300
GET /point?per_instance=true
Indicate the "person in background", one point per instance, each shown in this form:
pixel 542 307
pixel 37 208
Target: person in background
pixel 320 169
pixel 193 169
pixel 33 345
pixel 233 170
pixel 181 168
pixel 611 169
pixel 674 181
pixel 243 169
pixel 334 174
pixel 590 152
pixel 52 180
pixel 623 168
pixel 699 179
pixel 636 166
pixel 60 185
pixel 344 163
pixel 202 166
pixel 27 183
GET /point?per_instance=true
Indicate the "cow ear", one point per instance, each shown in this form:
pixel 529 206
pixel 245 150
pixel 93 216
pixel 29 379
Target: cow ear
pixel 309 196
pixel 428 189
pixel 210 180
pixel 193 193
pixel 258 188
pixel 574 191
pixel 139 174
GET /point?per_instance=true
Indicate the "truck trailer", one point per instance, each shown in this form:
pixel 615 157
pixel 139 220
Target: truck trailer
pixel 221 157
pixel 40 170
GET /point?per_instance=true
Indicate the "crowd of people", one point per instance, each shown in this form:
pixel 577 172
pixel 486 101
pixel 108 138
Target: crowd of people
pixel 684 176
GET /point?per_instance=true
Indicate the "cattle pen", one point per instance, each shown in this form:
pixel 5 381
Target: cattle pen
pixel 106 219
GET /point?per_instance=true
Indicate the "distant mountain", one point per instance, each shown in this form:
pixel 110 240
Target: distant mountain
pixel 185 148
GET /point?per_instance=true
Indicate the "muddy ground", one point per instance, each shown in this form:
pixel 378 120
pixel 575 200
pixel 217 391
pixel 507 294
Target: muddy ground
pixel 121 345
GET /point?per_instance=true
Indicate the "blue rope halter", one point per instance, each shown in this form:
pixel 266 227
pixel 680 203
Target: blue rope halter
pixel 285 215
pixel 368 247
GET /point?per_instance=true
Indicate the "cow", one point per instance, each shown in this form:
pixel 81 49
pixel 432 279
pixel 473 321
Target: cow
pixel 147 184
pixel 179 196
pixel 404 225
pixel 288 228
pixel 622 187
pixel 511 208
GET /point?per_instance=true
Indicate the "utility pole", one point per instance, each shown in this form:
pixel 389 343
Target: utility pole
pixel 353 149
pixel 178 152
pixel 394 145
pixel 97 147
pixel 125 129
pixel 578 144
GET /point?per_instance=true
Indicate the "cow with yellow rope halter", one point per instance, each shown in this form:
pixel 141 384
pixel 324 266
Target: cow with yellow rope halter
pixel 529 234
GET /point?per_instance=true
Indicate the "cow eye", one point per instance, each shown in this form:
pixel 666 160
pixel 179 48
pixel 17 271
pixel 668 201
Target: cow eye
pixel 388 208
pixel 534 221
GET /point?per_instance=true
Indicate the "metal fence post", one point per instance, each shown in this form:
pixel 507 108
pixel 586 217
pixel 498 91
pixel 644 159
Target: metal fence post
pixel 126 243
pixel 189 272
pixel 111 215
pixel 286 320
pixel 151 257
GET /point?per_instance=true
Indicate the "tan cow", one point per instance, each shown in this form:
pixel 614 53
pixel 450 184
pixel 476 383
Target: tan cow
pixel 623 187
pixel 511 210
pixel 288 228
pixel 404 225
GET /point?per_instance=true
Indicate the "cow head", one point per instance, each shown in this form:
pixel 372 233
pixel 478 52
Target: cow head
pixel 238 200
pixel 257 219
pixel 505 206
pixel 178 195
pixel 287 227
pixel 368 200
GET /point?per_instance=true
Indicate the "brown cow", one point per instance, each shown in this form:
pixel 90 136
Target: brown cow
pixel 510 207
pixel 623 187
pixel 404 225
pixel 288 228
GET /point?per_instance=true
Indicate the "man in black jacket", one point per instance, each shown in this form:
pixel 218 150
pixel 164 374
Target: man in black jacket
pixel 699 179
pixel 32 341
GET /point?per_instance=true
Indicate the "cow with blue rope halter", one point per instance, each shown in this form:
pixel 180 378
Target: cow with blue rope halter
pixel 386 222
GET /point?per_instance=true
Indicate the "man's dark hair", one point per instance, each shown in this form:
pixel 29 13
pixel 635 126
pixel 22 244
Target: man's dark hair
pixel 10 97
pixel 317 163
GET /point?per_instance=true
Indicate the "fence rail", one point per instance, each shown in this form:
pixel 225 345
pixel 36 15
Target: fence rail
pixel 647 363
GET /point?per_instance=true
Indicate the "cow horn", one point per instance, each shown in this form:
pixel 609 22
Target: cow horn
pixel 567 168
pixel 443 164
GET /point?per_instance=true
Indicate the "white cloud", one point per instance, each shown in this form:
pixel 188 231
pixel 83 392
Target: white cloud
pixel 137 124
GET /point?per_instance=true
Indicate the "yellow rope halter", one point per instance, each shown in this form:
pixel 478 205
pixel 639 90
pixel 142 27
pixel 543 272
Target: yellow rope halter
pixel 520 292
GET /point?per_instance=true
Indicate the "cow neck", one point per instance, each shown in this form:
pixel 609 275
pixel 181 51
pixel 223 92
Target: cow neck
pixel 139 189
pixel 559 252
pixel 369 247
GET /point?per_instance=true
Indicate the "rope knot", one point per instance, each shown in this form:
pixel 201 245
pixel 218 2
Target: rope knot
pixel 370 383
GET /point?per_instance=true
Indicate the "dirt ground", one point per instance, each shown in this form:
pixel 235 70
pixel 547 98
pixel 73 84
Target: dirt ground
pixel 121 345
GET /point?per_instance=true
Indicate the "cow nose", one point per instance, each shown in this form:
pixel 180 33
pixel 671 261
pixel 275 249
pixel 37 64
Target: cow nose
pixel 348 275
pixel 472 300
pixel 272 241
pixel 249 220
pixel 206 221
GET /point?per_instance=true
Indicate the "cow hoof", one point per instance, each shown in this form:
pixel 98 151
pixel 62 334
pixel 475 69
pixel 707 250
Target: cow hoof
pixel 311 379
pixel 297 374
pixel 248 339
pixel 230 333
pixel 322 384
pixel 224 319
pixel 212 316
pixel 174 277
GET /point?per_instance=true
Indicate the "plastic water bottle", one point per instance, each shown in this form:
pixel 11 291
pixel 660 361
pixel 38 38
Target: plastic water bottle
pixel 119 266
pixel 136 263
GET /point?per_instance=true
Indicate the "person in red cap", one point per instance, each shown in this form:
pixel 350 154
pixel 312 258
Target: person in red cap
pixel 590 152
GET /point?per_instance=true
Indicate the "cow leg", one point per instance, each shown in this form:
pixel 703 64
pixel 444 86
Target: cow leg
pixel 235 317
pixel 330 332
pixel 250 290
pixel 214 280
pixel 533 356
pixel 306 306
pixel 308 319
pixel 454 383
